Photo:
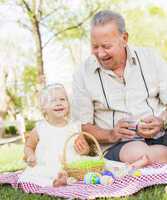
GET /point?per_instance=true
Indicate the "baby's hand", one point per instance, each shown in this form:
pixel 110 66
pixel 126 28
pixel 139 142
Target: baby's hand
pixel 31 160
pixel 81 146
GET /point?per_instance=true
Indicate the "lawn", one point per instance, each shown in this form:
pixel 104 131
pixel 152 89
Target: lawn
pixel 152 193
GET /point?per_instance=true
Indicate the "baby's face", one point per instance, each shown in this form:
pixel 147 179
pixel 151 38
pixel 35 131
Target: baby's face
pixel 56 103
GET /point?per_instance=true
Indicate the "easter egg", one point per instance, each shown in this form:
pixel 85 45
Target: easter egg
pixel 134 172
pixel 92 178
pixel 106 180
pixel 137 173
pixel 108 173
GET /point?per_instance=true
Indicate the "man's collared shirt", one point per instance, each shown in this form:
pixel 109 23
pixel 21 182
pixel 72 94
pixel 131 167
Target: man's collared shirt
pixel 141 92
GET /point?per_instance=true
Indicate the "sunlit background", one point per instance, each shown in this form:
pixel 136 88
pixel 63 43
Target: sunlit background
pixel 63 29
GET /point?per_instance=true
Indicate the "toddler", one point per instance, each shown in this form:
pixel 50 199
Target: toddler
pixel 44 146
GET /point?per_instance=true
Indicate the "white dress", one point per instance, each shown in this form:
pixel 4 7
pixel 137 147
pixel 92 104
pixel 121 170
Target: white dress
pixel 48 153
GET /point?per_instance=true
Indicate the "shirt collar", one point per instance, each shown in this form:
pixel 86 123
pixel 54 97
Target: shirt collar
pixel 130 56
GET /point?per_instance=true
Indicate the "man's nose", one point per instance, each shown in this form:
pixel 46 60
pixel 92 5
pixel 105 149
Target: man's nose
pixel 101 52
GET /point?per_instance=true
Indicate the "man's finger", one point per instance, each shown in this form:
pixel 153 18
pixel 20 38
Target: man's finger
pixel 126 132
pixel 123 124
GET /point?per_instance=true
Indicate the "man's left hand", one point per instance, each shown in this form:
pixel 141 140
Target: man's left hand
pixel 150 126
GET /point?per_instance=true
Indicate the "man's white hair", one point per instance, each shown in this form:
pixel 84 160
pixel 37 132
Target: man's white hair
pixel 106 16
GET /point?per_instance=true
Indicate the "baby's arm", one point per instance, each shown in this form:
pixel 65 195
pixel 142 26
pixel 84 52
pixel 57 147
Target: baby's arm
pixel 30 146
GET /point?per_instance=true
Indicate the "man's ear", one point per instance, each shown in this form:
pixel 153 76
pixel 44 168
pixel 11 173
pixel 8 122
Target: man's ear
pixel 125 38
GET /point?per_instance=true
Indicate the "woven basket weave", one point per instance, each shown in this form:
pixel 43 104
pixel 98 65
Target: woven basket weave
pixel 77 172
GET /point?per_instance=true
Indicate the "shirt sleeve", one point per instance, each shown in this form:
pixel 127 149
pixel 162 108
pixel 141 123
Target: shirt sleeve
pixel 82 106
pixel 161 65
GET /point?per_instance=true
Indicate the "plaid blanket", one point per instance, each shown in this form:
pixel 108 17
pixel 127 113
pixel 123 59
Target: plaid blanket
pixel 124 186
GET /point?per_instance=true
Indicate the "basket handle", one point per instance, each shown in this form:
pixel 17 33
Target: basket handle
pixel 64 157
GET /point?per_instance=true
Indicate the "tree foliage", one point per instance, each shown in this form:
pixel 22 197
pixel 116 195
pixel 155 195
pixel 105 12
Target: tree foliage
pixel 30 75
pixel 51 21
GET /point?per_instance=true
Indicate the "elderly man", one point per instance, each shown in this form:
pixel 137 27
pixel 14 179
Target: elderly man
pixel 120 95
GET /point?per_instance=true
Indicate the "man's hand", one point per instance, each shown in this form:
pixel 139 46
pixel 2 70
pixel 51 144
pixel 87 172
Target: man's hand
pixel 31 160
pixel 81 146
pixel 150 126
pixel 122 131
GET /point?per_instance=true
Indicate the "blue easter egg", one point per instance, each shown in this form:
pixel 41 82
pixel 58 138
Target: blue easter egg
pixel 108 173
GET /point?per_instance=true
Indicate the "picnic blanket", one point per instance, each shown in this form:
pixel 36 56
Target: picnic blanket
pixel 124 186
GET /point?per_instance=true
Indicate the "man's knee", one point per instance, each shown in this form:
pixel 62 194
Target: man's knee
pixel 133 151
pixel 158 153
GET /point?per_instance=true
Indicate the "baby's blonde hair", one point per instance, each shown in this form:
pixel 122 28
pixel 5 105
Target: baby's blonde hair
pixel 44 96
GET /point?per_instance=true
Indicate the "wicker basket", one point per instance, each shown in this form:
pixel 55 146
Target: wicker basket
pixel 80 173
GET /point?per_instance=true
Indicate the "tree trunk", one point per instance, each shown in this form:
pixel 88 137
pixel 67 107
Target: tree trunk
pixel 4 98
pixel 39 52
pixel 34 16
pixel 36 6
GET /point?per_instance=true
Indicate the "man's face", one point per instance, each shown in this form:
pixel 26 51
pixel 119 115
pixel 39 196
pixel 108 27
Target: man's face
pixel 108 45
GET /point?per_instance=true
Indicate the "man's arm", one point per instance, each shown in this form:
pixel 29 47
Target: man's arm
pixel 153 125
pixel 83 109
pixel 102 135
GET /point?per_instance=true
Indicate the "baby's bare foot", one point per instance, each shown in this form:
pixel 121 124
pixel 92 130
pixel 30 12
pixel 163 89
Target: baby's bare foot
pixel 61 179
pixel 142 162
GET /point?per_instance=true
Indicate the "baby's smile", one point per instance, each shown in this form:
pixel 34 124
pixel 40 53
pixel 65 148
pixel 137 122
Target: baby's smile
pixel 58 109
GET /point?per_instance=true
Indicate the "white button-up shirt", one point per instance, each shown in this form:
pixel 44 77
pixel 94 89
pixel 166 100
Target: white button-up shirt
pixel 142 92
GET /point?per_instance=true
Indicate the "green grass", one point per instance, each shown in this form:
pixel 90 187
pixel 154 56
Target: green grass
pixel 11 157
pixel 8 193
pixel 152 193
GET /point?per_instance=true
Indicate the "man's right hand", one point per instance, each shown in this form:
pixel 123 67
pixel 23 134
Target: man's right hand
pixel 121 131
